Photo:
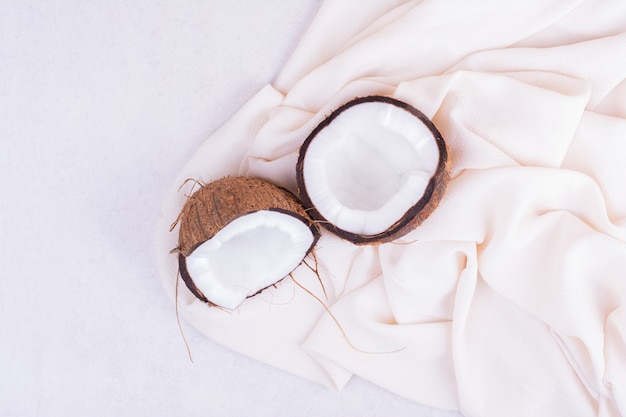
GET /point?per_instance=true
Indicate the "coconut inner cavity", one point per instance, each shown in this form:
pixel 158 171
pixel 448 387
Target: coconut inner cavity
pixel 369 166
pixel 248 255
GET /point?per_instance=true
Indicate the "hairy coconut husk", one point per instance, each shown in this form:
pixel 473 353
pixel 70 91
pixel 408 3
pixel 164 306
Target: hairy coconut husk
pixel 415 215
pixel 218 203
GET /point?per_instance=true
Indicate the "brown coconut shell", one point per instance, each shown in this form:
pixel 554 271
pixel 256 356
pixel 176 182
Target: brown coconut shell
pixel 415 215
pixel 218 203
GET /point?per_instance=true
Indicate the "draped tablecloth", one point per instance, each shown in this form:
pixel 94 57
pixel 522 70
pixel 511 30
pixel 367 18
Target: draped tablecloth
pixel 510 300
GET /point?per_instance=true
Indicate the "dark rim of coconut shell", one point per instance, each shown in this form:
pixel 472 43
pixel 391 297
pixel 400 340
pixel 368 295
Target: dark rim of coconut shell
pixel 191 285
pixel 432 192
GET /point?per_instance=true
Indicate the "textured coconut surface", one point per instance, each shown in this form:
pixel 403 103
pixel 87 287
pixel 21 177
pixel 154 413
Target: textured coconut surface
pixel 239 235
pixel 214 205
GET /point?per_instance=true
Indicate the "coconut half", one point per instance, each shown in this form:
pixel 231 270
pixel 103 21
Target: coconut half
pixel 373 170
pixel 238 236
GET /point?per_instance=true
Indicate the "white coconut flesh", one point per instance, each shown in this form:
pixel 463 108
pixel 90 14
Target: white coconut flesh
pixel 369 166
pixel 249 254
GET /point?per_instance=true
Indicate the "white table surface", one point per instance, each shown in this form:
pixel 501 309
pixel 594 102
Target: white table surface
pixel 101 104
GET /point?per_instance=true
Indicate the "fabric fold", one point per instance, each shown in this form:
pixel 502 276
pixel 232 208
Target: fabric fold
pixel 364 338
pixel 430 30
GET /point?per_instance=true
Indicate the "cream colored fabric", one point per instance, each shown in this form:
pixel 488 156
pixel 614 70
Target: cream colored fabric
pixel 510 300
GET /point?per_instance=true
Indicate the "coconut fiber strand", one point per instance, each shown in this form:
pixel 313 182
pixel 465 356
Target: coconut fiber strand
pixel 510 299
